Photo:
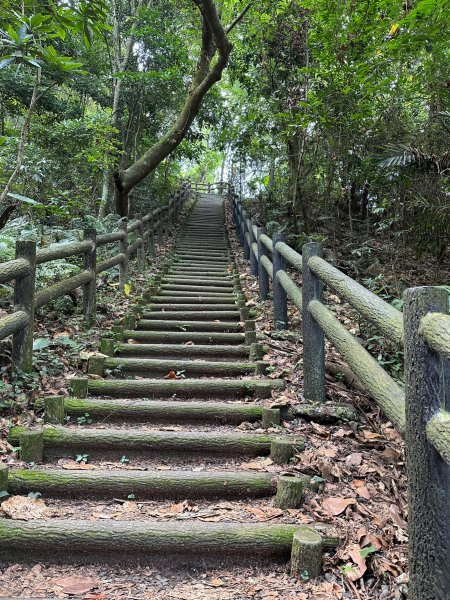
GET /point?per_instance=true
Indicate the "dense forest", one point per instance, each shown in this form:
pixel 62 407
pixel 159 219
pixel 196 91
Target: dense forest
pixel 170 174
pixel 331 118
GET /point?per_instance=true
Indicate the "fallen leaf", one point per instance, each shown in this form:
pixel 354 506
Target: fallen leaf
pixel 354 552
pixel 73 465
pixel 363 492
pixel 394 513
pixel 76 585
pixel 335 505
pixel 85 355
pixel 257 464
pixel 24 508
pixel 354 459
pixel 171 375
pixel 216 582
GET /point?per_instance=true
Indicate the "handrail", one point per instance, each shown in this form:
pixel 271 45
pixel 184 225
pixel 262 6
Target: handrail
pixel 144 230
pixel 435 328
pixel 421 412
pixel 56 252
pixel 14 269
pixel 290 255
pixel 373 308
pixel 378 383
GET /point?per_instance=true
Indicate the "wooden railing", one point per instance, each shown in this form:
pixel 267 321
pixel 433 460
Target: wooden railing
pixel 420 410
pixel 218 187
pixel 146 230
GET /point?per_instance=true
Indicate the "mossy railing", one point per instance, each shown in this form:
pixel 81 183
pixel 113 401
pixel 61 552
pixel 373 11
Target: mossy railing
pixel 146 230
pixel 420 411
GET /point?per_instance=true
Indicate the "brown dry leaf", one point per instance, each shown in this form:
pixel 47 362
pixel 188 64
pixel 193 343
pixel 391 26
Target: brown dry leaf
pixel 76 585
pixel 73 465
pixel 250 303
pixel 363 492
pixel 354 552
pixel 85 355
pixel 373 540
pixel 328 452
pixel 394 513
pixel 370 435
pixel 257 465
pixel 171 375
pixel 189 343
pixel 354 459
pixel 216 582
pixel 181 507
pixel 267 514
pixel 24 508
pixel 335 505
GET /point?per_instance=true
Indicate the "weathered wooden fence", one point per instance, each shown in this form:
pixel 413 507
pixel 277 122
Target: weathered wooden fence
pixel 146 230
pixel 420 410
pixel 218 187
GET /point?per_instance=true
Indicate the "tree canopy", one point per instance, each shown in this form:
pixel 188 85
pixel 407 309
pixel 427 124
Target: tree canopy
pixel 324 111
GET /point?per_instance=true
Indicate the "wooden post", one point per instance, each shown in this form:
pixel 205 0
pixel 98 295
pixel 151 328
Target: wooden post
pixel 90 288
pixel 240 224
pixel 32 445
pixel 253 258
pixel 263 276
pixel 141 249
pixel 54 411
pixel 151 235
pixel 123 249
pixel 280 314
pixel 313 338
pixel 24 290
pixel 306 556
pixel 245 236
pixel 427 384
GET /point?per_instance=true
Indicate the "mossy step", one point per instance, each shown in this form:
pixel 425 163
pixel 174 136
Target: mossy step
pixel 191 276
pixel 189 315
pixel 156 411
pixel 189 368
pixel 103 483
pixel 183 388
pixel 225 300
pixel 65 541
pixel 219 336
pixel 193 388
pixel 199 285
pixel 177 350
pixel 173 324
pixel 191 307
pixel 60 440
pixel 200 294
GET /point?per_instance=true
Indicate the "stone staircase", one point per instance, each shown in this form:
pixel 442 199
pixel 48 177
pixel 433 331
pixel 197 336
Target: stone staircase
pixel 171 387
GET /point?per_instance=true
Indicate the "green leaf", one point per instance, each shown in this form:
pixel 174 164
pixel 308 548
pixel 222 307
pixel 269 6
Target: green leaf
pixel 364 553
pixel 26 199
pixel 41 343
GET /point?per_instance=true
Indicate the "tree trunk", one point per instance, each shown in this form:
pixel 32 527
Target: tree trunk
pixel 23 137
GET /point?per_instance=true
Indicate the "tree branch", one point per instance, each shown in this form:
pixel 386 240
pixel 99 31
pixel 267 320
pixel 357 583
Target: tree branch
pixel 214 42
pixel 239 18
